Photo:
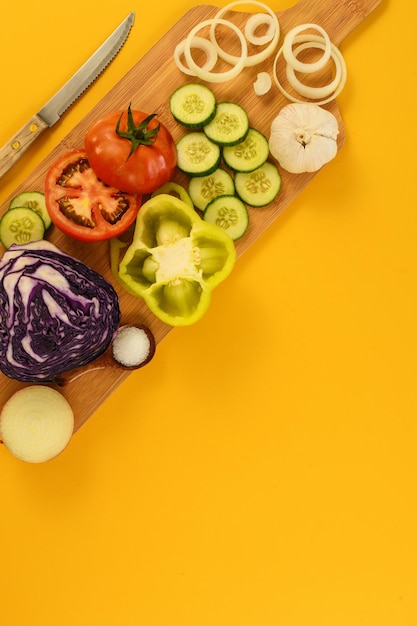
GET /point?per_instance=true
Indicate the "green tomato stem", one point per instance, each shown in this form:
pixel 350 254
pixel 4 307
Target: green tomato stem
pixel 138 135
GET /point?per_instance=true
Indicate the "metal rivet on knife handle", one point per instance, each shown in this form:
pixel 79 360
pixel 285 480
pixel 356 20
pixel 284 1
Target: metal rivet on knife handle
pixel 21 141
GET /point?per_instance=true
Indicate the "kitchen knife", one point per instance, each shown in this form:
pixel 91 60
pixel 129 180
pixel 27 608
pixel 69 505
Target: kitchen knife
pixel 73 88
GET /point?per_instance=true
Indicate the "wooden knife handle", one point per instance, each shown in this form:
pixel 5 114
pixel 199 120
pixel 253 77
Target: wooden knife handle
pixel 20 142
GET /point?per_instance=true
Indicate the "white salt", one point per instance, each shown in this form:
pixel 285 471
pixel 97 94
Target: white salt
pixel 131 346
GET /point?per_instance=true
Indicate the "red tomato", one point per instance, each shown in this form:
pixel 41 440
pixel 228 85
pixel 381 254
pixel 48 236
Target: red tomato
pixel 83 207
pixel 132 151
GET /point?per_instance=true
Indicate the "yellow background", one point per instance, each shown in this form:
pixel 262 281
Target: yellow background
pixel 261 471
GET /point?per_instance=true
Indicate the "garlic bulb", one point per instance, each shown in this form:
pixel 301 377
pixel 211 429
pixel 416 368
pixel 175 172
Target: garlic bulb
pixel 303 137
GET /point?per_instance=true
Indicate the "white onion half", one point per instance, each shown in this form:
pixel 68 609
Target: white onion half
pixel 36 423
pixel 199 43
pixel 252 59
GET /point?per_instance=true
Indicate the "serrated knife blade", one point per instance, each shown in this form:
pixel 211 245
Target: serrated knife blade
pixel 51 112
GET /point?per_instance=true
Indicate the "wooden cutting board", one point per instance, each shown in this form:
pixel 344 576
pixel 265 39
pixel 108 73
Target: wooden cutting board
pixel 147 86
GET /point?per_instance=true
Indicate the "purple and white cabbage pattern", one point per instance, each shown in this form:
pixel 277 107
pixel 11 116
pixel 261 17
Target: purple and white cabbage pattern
pixel 56 313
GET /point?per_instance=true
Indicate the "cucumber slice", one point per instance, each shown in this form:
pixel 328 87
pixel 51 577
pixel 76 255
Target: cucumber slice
pixel 229 126
pixel 249 154
pixel 229 213
pixel 193 105
pixel 34 200
pixel 21 225
pixel 260 187
pixel 203 189
pixel 197 155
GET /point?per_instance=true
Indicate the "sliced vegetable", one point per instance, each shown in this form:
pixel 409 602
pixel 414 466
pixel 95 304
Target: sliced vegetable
pixel 309 91
pixel 203 189
pixel 249 154
pixel 292 59
pixel 214 50
pixel 199 43
pixel 257 21
pixel 323 94
pixel 260 187
pixel 303 137
pixel 176 190
pixel 229 126
pixel 207 75
pixel 81 205
pixel 36 424
pixel 34 200
pixel 175 260
pixel 271 19
pixel 115 248
pixel 21 225
pixel 131 151
pixel 197 155
pixel 56 313
pixel 230 214
pixel 193 105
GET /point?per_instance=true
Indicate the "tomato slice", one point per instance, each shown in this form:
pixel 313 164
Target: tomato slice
pixel 81 205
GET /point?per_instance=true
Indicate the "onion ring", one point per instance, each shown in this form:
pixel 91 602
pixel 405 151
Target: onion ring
pixel 201 43
pixel 335 52
pixel 253 59
pixel 253 22
pixel 291 58
pixel 315 93
pixel 213 77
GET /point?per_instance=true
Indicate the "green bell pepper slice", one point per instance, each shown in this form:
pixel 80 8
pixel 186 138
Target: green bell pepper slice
pixel 175 260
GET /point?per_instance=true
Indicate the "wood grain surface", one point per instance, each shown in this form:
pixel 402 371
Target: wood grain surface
pixel 147 86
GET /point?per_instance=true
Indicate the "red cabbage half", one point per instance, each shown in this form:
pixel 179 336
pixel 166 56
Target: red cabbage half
pixel 56 313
